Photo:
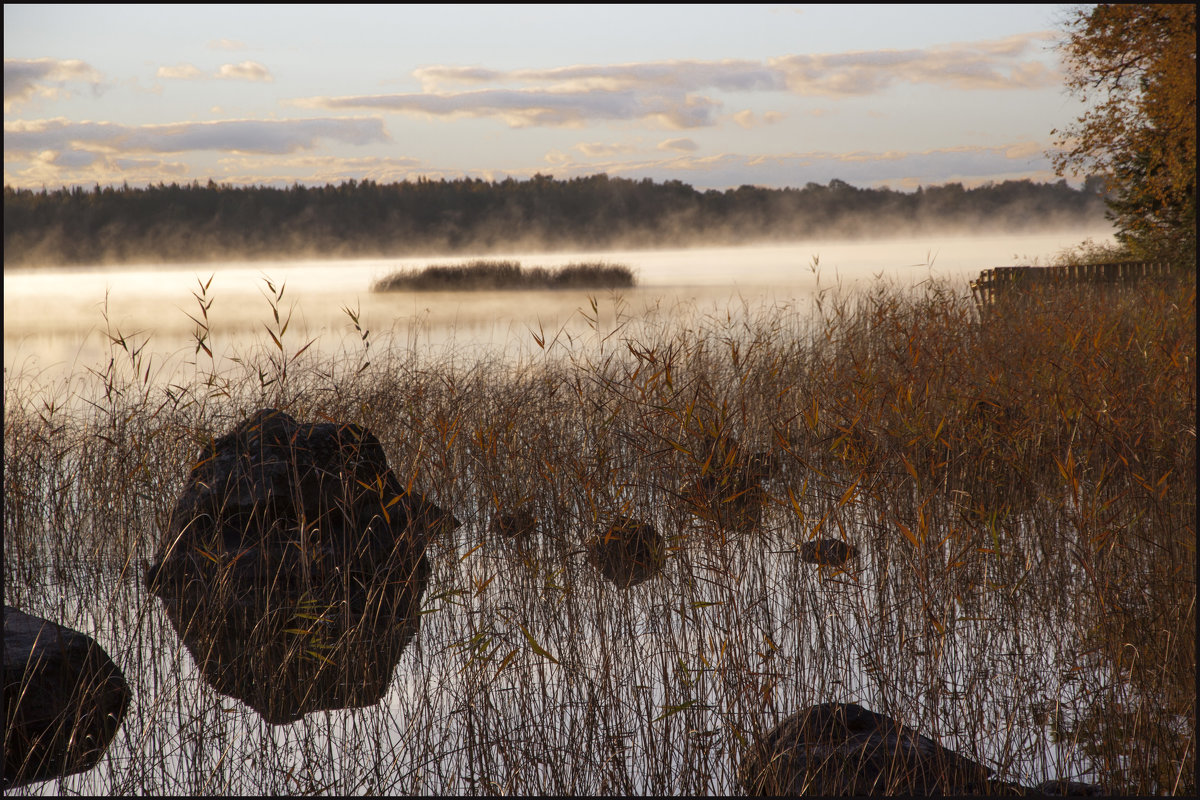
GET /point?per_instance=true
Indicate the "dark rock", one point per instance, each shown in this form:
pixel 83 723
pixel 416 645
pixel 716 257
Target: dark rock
pixel 827 552
pixel 844 749
pixel 64 699
pixel 520 523
pixel 629 552
pixel 293 565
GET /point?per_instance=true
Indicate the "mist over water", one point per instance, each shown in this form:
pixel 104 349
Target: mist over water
pixel 54 322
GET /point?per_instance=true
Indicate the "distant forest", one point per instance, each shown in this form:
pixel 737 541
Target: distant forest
pixel 195 222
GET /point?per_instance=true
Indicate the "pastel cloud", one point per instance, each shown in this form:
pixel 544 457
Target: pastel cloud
pixel 990 64
pixel 527 107
pixel 282 170
pixel 995 64
pixel 679 75
pixel 25 78
pixel 244 136
pixel 679 145
pixel 83 167
pixel 748 120
pixel 181 72
pixel 603 149
pixel 669 92
pixel 1025 150
pixel 245 71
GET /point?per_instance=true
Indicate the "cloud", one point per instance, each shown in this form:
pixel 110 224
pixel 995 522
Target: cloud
pixel 602 149
pixel 748 120
pixel 78 168
pixel 527 107
pixel 679 145
pixel 245 71
pixel 433 77
pixel 1024 150
pixel 241 136
pixel 318 162
pixel 744 119
pixel 994 64
pixel 285 170
pixel 50 167
pixel 181 72
pixel 73 160
pixel 680 75
pixel 25 78
pixel 670 92
pixel 1007 63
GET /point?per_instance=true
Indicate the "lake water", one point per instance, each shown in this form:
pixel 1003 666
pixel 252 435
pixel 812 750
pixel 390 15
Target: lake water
pixel 619 666
pixel 54 319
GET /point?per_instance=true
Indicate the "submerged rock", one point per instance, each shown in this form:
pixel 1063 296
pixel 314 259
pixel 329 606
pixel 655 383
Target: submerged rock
pixel 519 523
pixel 293 565
pixel 827 552
pixel 844 749
pixel 64 699
pixel 628 552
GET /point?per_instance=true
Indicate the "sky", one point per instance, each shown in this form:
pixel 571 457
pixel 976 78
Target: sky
pixel 716 96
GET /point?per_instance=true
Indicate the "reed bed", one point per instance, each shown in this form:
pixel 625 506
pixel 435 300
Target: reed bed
pixel 1021 493
pixel 500 275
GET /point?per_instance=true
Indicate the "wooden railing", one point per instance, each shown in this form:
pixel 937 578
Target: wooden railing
pixel 993 284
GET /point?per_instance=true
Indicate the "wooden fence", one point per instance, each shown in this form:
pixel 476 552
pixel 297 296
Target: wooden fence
pixel 993 284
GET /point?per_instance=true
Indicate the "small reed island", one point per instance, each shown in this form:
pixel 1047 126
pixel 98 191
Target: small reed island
pixel 486 275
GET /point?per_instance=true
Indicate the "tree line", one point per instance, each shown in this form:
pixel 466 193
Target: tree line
pixel 190 222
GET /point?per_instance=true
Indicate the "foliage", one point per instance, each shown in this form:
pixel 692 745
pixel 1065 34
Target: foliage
pixel 362 219
pixel 1136 65
pixel 488 275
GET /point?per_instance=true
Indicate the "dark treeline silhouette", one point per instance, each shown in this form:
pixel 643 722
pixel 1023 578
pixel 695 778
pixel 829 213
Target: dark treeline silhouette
pixel 193 222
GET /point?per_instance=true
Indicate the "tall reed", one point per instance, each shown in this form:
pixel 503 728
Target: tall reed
pixel 1022 494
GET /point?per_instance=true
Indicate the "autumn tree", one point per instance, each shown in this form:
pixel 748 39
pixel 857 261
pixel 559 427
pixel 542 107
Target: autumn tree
pixel 1135 66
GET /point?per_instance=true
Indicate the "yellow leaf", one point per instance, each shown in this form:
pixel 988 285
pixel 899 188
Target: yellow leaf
pixel 537 648
pixel 504 663
pixel 849 492
pixel 795 504
pixel 669 710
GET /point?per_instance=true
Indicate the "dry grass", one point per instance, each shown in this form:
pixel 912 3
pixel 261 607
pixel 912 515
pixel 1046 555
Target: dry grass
pixel 1022 496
